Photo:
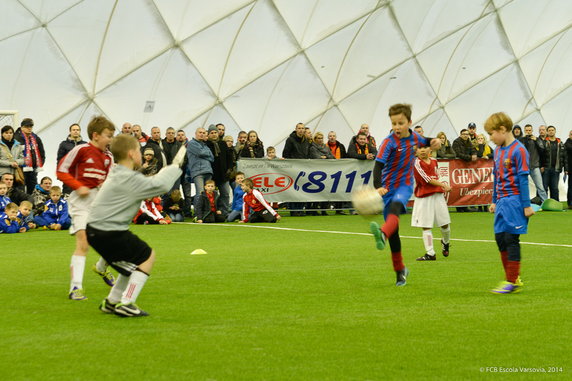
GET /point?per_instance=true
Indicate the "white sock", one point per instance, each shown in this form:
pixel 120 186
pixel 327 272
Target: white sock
pixel 117 290
pixel 136 282
pixel 446 233
pixel 76 268
pixel 428 242
pixel 101 265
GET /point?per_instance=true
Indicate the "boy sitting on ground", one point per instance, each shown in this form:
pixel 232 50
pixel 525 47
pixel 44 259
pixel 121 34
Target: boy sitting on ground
pixel 207 206
pixel 253 199
pixel 9 221
pixel 56 215
pixel 25 214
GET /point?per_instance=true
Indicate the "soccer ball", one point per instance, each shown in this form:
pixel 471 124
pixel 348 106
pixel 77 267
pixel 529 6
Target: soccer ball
pixel 366 201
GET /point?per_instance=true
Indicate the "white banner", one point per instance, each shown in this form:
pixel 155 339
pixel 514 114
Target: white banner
pixel 292 180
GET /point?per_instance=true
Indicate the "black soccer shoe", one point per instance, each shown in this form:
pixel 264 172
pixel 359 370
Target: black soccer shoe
pixel 445 248
pixel 427 257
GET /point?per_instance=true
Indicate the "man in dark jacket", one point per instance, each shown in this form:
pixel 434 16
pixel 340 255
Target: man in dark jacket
pixel 34 154
pixel 568 147
pixel 464 148
pixel 170 145
pixel 296 146
pixel 535 148
pixel 15 195
pixel 73 139
pixel 362 149
pixel 156 144
pixel 553 164
pixel 221 165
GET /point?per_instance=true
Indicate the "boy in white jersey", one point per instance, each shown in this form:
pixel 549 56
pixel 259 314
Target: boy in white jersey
pixel 108 223
pixel 84 169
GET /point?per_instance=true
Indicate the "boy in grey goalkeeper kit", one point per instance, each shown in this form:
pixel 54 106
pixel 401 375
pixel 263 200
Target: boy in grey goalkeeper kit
pixel 108 224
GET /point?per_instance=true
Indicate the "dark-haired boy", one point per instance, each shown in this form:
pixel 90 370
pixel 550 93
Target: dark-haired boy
pixel 393 179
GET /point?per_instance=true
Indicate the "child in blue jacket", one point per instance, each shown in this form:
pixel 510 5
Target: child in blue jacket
pixel 56 216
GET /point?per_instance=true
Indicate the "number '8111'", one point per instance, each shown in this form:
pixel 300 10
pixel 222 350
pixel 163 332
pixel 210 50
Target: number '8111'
pixel 316 182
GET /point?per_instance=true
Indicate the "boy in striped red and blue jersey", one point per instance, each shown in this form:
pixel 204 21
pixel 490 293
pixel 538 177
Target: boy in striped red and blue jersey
pixel 393 179
pixel 511 199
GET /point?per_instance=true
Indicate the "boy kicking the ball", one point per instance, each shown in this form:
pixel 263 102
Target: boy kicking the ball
pixel 393 179
pixel 511 199
pixel 108 223
pixel 430 206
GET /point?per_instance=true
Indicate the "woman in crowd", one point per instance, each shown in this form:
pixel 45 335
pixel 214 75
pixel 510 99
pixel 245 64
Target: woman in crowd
pixel 484 151
pixel 11 152
pixel 253 148
pixel 446 150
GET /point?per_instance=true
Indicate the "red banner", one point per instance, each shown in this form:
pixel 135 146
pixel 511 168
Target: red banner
pixel 471 182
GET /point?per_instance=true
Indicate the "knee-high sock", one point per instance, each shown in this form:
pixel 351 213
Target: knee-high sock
pixel 397 260
pixel 512 271
pixel 428 242
pixel 136 282
pixel 117 290
pixel 77 267
pixel 446 233
pixel 390 226
pixel 101 265
pixel 504 259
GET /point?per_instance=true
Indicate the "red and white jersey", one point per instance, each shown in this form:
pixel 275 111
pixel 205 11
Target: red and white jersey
pixel 424 173
pixel 256 201
pixel 85 165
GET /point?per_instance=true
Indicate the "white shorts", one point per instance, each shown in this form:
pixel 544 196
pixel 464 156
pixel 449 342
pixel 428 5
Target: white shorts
pixel 430 211
pixel 79 208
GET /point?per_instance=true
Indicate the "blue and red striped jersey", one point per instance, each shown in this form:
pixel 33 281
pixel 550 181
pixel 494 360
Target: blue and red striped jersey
pixel 398 158
pixel 510 162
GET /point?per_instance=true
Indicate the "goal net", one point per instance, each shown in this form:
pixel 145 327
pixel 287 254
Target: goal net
pixel 9 118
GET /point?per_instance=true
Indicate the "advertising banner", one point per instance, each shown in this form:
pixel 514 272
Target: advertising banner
pixel 305 180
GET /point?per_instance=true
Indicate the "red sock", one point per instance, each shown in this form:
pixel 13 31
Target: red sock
pixel 397 260
pixel 512 271
pixel 504 259
pixel 390 226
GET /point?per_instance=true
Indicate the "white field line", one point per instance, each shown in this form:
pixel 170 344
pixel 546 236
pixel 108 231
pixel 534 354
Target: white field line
pixel 362 234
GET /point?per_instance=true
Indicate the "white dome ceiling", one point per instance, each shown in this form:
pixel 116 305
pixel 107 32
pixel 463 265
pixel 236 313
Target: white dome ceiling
pixel 265 65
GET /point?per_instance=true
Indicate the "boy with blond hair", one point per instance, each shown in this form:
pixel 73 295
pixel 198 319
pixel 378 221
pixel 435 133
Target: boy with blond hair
pixel 393 179
pixel 108 223
pixel 511 199
pixel 55 216
pixel 25 214
pixel 4 200
pixel 84 169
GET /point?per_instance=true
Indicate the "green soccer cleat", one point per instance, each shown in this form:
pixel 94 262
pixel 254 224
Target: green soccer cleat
pixel 106 275
pixel 507 288
pixel 77 294
pixel 107 307
pixel 377 235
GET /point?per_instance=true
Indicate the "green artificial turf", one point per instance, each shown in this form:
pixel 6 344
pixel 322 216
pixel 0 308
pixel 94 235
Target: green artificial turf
pixel 268 304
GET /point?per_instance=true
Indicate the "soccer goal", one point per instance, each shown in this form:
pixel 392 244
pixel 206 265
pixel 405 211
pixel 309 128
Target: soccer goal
pixel 9 118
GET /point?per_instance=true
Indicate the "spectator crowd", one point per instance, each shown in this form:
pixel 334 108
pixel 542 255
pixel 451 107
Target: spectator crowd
pixel 222 193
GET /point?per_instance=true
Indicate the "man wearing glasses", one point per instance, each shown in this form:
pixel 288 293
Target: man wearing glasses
pixel 34 154
pixel 464 148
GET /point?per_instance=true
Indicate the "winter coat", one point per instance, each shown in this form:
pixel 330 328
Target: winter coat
pixel 249 151
pixel 222 161
pixel 17 153
pixel 568 147
pixel 200 158
pixel 353 152
pixel 464 149
pixel 535 150
pixel 317 151
pixel 18 135
pixel 555 148
pixel 204 206
pixel 66 146
pixel 295 147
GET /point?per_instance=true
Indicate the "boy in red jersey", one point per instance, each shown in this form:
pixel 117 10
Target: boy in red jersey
pixel 84 169
pixel 393 179
pixel 511 200
pixel 253 199
pixel 430 206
